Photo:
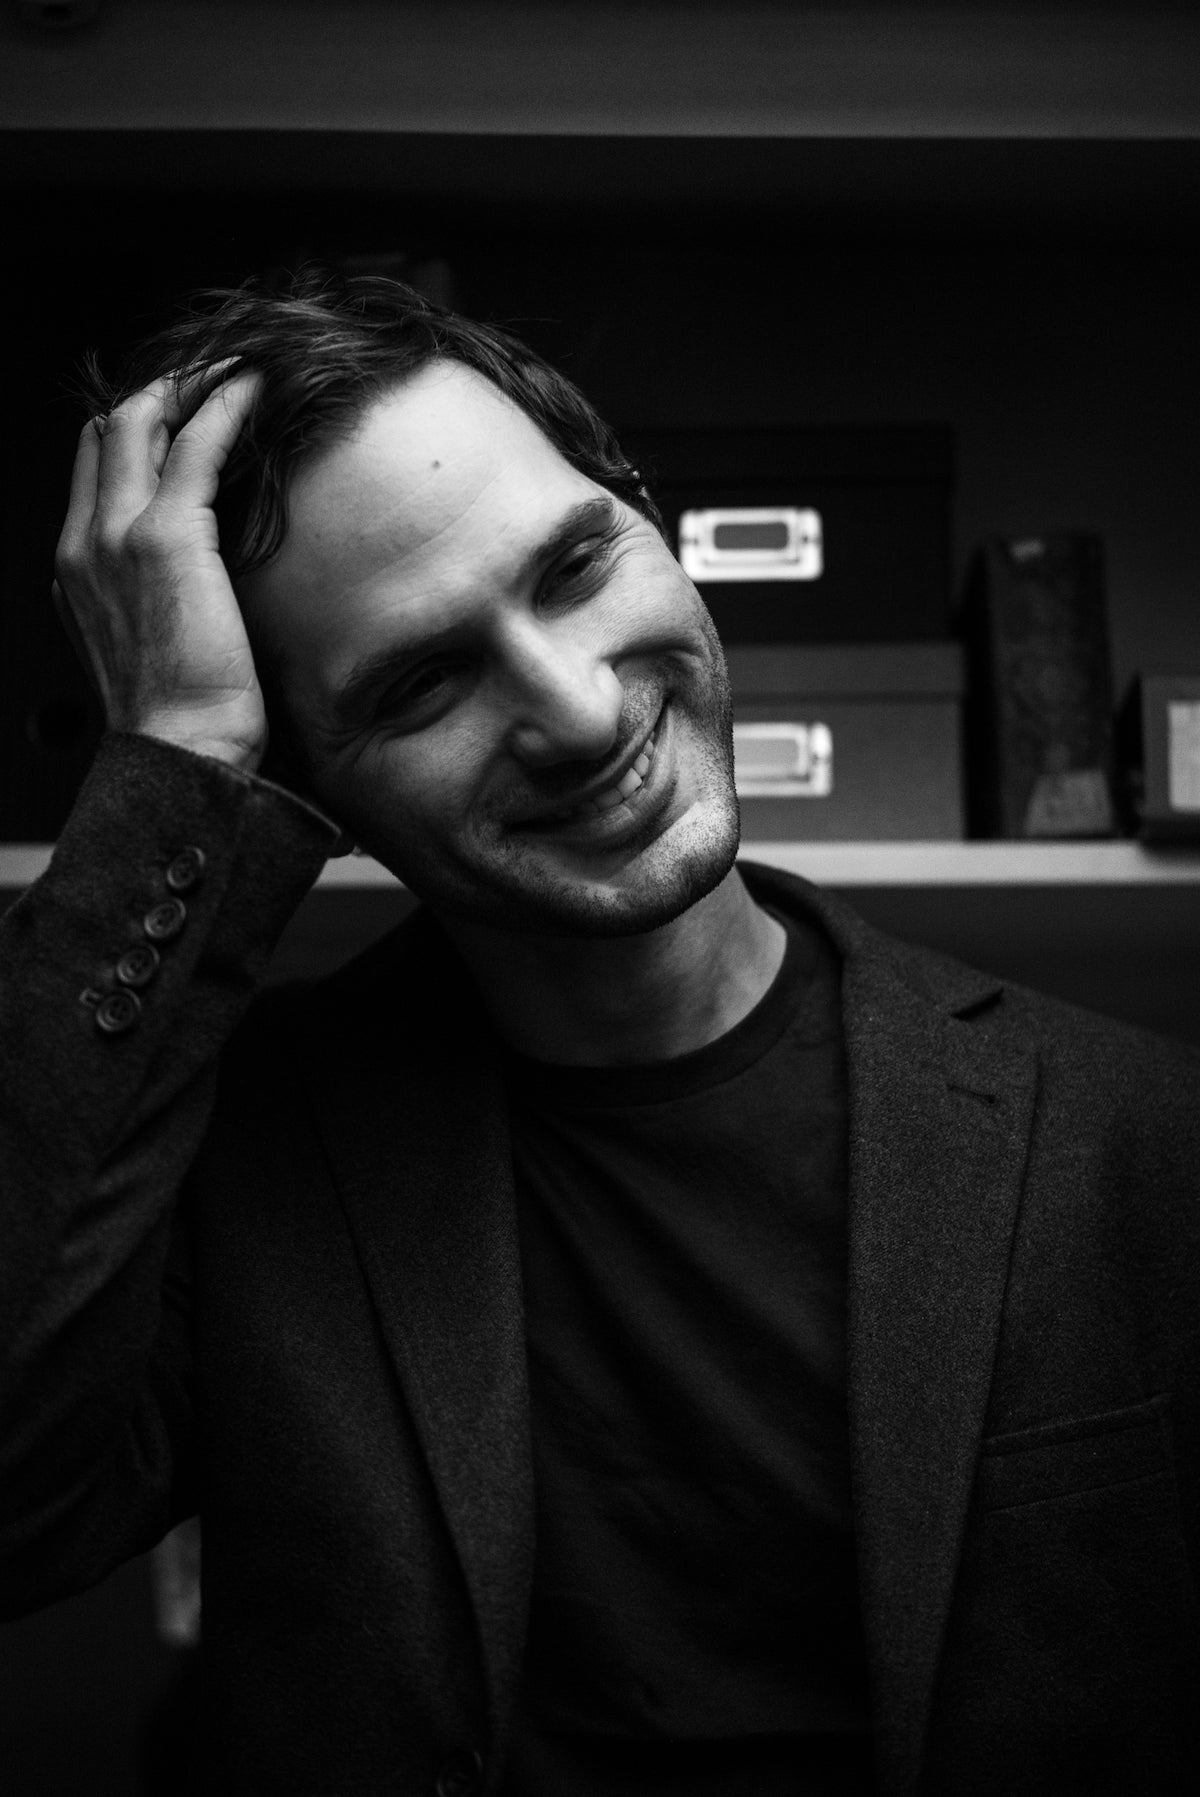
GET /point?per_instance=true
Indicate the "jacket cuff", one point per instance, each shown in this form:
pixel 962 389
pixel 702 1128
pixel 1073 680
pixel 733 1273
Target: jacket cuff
pixel 169 887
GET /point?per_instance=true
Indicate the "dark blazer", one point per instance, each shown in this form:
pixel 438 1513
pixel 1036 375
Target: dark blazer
pixel 324 1351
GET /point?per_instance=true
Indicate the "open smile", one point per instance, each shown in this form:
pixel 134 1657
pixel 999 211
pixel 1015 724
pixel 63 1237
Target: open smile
pixel 616 794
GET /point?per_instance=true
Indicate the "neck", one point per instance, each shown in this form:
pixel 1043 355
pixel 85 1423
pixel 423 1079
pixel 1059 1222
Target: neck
pixel 614 1000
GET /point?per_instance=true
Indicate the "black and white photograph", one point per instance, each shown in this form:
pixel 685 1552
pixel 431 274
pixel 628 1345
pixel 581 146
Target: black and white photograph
pixel 599 898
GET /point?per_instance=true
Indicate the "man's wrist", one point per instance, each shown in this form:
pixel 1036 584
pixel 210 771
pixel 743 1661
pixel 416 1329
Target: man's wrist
pixel 237 748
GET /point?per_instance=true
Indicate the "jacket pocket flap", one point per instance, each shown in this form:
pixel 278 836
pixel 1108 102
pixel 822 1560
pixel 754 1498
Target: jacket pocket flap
pixel 1074 1454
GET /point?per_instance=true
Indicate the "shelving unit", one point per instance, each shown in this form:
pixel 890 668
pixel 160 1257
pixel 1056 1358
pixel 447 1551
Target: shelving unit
pixel 978 215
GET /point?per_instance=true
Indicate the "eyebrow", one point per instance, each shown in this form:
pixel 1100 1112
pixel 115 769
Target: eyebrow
pixel 598 513
pixel 590 515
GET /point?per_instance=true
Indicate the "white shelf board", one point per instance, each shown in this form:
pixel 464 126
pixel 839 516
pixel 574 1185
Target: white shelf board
pixel 911 864
pixel 980 863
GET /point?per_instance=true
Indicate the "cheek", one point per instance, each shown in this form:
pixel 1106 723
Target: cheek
pixel 676 598
pixel 427 781
pixel 653 609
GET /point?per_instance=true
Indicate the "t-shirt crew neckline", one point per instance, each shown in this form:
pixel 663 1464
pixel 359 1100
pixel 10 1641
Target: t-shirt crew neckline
pixel 553 1085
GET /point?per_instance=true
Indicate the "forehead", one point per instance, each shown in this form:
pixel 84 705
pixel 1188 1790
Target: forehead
pixel 444 464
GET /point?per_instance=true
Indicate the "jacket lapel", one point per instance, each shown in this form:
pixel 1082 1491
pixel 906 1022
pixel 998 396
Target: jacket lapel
pixel 939 1131
pixel 414 1125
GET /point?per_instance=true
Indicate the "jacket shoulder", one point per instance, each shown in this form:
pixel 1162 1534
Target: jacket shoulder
pixel 1003 1012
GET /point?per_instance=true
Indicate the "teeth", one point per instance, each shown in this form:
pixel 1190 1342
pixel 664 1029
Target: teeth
pixel 630 782
pixel 604 801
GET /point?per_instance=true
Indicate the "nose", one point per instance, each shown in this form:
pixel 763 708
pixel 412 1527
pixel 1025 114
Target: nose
pixel 566 699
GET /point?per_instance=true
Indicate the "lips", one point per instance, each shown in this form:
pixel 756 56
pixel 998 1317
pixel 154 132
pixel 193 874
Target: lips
pixel 631 781
pixel 607 798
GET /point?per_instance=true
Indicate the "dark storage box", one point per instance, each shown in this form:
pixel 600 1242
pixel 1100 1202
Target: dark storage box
pixel 848 741
pixel 1158 740
pixel 1039 711
pixel 830 534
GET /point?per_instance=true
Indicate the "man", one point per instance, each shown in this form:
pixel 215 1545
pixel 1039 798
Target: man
pixel 636 1330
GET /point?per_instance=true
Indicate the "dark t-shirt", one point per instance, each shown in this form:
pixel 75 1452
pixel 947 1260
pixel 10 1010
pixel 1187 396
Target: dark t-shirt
pixel 695 1621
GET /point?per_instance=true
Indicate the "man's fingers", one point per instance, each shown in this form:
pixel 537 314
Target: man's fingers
pixel 202 445
pixel 185 383
pixel 144 441
pixel 133 449
pixel 82 502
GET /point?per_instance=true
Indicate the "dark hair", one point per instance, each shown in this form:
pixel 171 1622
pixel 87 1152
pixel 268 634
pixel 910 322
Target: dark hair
pixel 327 346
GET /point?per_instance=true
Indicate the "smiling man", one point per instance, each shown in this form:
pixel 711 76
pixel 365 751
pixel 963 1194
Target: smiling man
pixel 505 687
pixel 635 1332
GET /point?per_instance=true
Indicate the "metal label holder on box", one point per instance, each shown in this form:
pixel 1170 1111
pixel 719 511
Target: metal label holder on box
pixel 848 741
pixel 816 534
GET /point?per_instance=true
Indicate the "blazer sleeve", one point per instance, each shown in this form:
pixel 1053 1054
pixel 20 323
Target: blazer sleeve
pixel 123 971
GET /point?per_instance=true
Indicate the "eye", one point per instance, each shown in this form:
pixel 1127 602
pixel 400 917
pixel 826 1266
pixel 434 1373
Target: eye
pixel 580 571
pixel 422 684
pixel 420 694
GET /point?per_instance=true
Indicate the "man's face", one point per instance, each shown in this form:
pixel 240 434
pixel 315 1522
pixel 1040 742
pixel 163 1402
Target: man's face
pixel 504 686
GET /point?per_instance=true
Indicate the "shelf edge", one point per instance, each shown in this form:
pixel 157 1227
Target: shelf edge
pixel 859 864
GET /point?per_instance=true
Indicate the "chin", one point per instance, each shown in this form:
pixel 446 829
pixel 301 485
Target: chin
pixel 658 884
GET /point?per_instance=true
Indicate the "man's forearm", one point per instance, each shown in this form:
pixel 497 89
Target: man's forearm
pixel 122 973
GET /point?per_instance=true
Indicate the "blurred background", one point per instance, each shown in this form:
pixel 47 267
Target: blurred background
pixel 897 304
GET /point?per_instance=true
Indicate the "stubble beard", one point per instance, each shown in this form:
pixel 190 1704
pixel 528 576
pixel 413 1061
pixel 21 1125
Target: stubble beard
pixel 514 891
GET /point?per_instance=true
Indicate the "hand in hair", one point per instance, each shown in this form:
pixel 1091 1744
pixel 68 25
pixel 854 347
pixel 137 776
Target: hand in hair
pixel 141 587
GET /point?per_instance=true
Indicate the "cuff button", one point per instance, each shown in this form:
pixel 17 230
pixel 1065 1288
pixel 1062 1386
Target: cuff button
pixel 163 921
pixel 138 966
pixel 186 869
pixel 117 1012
